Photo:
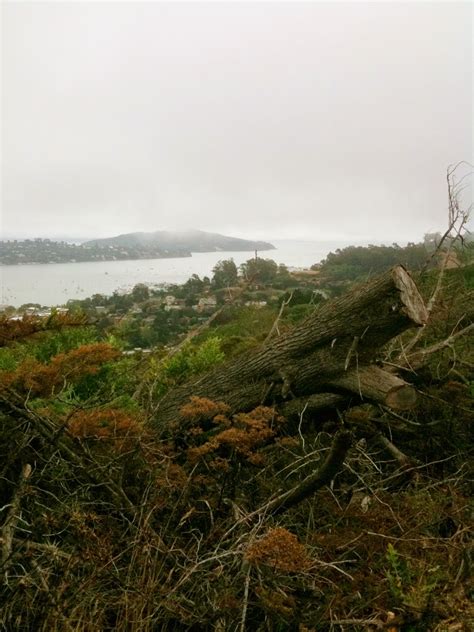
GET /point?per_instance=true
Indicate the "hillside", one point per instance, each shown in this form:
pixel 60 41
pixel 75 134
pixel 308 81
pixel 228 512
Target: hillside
pixel 265 468
pixel 192 240
pixel 130 246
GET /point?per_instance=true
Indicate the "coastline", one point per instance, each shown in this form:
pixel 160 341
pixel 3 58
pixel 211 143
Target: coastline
pixel 172 256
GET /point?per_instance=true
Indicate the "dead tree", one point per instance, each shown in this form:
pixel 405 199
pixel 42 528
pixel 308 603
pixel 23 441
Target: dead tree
pixel 333 352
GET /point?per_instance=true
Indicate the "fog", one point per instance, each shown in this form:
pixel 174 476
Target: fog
pixel 268 120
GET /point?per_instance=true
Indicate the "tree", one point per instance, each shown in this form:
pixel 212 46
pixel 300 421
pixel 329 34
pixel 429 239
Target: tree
pixel 194 284
pixel 224 273
pixel 140 292
pixel 356 262
pixel 260 270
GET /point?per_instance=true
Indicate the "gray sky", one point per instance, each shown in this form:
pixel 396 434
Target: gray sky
pixel 268 120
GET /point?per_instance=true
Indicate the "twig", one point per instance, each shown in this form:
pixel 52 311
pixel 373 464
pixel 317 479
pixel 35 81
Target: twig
pixel 417 358
pixel 277 319
pixel 303 444
pixel 403 460
pixel 378 623
pixel 246 599
pixel 457 220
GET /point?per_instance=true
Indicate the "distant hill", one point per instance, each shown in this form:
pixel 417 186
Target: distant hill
pixel 189 240
pixel 132 246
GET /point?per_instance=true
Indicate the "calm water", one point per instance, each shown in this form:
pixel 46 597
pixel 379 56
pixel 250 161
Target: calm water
pixel 55 284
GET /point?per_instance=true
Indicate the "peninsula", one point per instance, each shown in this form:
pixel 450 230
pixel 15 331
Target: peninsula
pixel 143 245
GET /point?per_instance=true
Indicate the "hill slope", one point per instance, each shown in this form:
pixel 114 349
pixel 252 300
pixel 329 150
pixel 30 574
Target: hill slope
pixel 191 240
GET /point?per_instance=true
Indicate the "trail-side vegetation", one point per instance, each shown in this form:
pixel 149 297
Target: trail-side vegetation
pixel 339 498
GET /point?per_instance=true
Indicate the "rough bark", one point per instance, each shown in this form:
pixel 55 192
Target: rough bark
pixel 342 336
pixel 312 404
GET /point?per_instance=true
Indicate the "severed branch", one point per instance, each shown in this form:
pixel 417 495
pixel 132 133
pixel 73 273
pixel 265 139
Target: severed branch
pixel 277 319
pixel 416 359
pixel 375 384
pixel 312 356
pixel 403 460
pixel 43 547
pixel 328 470
pixel 13 517
pixel 311 404
pixel 457 220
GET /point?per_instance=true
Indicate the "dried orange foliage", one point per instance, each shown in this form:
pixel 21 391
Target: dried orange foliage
pixel 281 550
pixel 17 329
pixel 250 430
pixel 203 409
pixel 106 424
pixel 277 601
pixel 172 478
pixel 44 379
pixel 243 434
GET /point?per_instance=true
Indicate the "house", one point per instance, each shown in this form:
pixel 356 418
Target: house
pixel 136 350
pixel 205 304
pixel 153 305
pixel 256 303
pixel 177 306
pixel 174 304
pixel 321 293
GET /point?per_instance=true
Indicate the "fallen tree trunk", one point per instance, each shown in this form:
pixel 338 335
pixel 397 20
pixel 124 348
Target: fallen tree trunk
pixel 328 351
pixel 373 383
pixel 312 404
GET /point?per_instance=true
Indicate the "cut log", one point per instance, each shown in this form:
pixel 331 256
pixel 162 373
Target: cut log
pixel 342 335
pixel 375 384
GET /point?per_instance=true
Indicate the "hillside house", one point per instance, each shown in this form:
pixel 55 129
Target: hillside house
pixel 205 304
pixel 258 304
pixel 174 304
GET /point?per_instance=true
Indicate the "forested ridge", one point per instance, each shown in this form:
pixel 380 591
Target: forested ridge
pixel 302 465
pixel 131 246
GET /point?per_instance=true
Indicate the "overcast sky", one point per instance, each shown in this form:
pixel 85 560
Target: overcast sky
pixel 267 120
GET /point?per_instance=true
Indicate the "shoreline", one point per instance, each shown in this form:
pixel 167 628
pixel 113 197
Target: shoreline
pixel 196 252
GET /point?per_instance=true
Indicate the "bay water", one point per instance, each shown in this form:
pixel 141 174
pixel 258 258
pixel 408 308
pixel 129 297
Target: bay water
pixel 54 284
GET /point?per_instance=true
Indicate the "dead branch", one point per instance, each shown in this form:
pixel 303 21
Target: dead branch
pixel 328 470
pixel 13 516
pixel 457 220
pixel 277 319
pixel 417 359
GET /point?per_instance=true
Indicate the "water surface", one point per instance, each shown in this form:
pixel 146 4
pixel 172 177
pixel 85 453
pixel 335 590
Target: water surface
pixel 55 284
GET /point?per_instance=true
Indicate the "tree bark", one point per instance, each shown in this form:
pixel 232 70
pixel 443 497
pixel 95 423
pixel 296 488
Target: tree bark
pixel 312 404
pixel 375 384
pixel 325 352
